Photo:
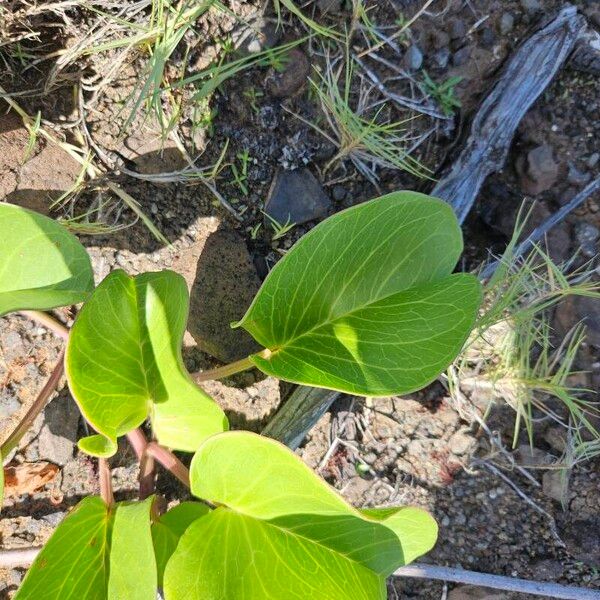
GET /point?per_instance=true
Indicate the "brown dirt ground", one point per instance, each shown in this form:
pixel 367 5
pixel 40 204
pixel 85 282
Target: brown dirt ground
pixel 418 449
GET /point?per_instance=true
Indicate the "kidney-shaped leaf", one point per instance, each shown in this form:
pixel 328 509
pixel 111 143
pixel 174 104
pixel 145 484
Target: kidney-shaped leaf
pixel 42 265
pixel 169 528
pixel 280 532
pixel 96 553
pixel 123 363
pixel 366 303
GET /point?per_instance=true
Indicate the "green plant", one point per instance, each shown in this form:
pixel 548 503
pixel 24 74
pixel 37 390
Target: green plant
pixel 361 134
pixel 279 229
pixel 511 356
pixel 443 93
pixel 366 303
pixel 240 176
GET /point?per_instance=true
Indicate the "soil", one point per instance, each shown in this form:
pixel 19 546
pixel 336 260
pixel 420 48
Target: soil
pixel 412 450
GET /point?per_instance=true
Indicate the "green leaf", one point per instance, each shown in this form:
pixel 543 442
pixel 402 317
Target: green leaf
pixel 366 302
pixel 132 571
pixel 42 265
pixel 123 363
pixel 1 480
pixel 169 528
pixel 96 553
pixel 280 532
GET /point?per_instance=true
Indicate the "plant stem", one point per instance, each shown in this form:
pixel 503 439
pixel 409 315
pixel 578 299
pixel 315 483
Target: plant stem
pixel 230 369
pixel 169 461
pixel 139 443
pixel 48 322
pixel 106 490
pixel 38 404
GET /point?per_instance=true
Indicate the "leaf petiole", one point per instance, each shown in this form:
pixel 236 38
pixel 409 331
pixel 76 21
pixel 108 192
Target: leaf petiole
pixel 235 367
pixel 169 461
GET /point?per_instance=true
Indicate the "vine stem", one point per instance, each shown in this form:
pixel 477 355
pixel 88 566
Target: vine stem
pixel 230 369
pixel 169 461
pixel 139 443
pixel 38 404
pixel 106 490
pixel 47 321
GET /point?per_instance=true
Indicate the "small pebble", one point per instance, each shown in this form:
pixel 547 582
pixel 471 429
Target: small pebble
pixel 413 59
pixel 338 192
pixel 507 23
pixel 532 6
pixel 577 177
pixel 593 160
pixel 458 29
pixel 488 39
pixel 461 57
pixel 442 57
pixel 587 239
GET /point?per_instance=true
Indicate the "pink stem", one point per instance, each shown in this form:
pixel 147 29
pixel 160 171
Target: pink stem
pixel 169 461
pixel 138 441
pixel 106 490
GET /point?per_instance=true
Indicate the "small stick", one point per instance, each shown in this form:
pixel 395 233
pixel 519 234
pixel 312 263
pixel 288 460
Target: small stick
pixel 48 321
pixel 106 490
pixel 38 404
pixel 498 582
pixel 18 557
pixel 539 232
pixel 169 461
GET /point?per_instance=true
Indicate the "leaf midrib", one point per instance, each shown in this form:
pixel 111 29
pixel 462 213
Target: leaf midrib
pixel 291 533
pixel 324 323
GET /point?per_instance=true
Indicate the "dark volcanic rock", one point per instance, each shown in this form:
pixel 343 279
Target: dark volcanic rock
pixel 296 197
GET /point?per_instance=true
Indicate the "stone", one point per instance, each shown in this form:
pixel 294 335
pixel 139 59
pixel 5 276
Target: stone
pixel 248 408
pixel 256 35
pixel 461 57
pixel 152 154
pixel 36 180
pixel 461 442
pixel 472 592
pixel 538 170
pixel 442 57
pixel 587 236
pixel 593 160
pixel 222 280
pixel 576 309
pixel 329 6
pixel 296 197
pixel 338 192
pixel 458 29
pixel 413 59
pixel 488 38
pixel 555 484
pixel 548 569
pixel 532 6
pixel 293 76
pixel 532 457
pixel 578 178
pixel 384 427
pixel 507 23
pixel 58 434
